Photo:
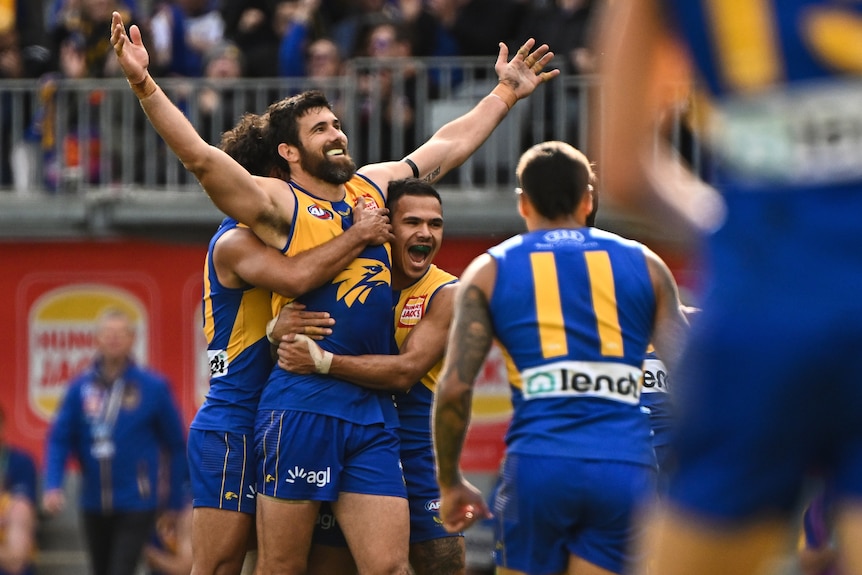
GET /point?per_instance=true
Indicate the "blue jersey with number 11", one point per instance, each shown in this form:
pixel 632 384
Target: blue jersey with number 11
pixel 574 310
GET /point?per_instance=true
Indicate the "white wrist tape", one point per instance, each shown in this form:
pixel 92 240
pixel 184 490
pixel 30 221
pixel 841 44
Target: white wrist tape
pixel 269 327
pixel 322 359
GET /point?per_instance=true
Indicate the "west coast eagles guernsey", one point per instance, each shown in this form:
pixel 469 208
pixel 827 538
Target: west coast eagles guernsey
pixel 359 299
pixel 656 397
pixel 573 310
pixel 414 407
pixel 235 328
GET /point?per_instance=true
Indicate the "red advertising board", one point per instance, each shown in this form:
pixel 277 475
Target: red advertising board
pixel 52 291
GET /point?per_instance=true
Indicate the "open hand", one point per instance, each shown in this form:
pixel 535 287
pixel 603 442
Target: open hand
pixel 130 51
pixel 525 71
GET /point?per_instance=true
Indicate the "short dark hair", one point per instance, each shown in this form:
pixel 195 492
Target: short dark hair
pixel 284 116
pixel 409 187
pixel 554 176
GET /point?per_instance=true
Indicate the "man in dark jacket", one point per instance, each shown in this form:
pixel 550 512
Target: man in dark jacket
pixel 117 419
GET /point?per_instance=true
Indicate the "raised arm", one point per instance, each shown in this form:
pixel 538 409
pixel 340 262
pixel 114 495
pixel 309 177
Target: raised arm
pixel 248 199
pixel 457 140
pixel 640 173
pixel 422 349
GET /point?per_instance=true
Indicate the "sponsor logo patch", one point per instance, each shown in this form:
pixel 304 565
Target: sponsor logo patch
pixel 299 475
pixel 412 312
pixel 320 212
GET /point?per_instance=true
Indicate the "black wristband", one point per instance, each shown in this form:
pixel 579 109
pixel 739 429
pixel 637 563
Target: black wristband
pixel 413 166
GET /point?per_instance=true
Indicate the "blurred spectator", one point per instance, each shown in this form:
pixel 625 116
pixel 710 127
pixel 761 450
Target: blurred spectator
pixel 565 26
pixel 252 25
pixel 58 10
pixel 23 49
pixel 117 419
pixel 23 54
pixel 220 102
pixel 298 24
pixel 348 32
pixel 17 507
pixel 387 93
pixel 425 30
pixel 322 59
pixel 66 122
pixel 87 20
pixel 183 32
pixel 478 26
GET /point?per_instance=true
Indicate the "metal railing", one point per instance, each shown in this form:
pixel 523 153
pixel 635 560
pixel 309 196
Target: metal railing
pixel 70 136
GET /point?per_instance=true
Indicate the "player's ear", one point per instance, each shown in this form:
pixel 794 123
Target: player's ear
pixel 525 208
pixel 288 152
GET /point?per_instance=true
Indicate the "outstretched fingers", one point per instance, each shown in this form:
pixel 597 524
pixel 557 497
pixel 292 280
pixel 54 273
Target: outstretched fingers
pixel 118 33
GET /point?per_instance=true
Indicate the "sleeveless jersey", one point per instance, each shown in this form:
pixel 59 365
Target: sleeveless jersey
pixel 574 310
pixel 786 90
pixel 359 299
pixel 785 86
pixel 656 397
pixel 414 407
pixel 235 327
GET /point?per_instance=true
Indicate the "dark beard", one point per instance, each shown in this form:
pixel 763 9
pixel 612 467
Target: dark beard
pixel 325 169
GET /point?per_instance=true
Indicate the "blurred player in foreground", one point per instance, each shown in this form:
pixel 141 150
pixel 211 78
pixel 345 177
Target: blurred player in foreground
pixel 766 390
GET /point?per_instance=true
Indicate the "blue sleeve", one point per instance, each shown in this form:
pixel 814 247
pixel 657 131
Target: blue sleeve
pixel 291 52
pixel 62 437
pixel 21 475
pixel 172 438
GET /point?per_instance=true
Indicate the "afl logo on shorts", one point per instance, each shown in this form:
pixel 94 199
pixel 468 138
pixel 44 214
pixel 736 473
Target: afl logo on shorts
pixel 432 505
pixel 320 212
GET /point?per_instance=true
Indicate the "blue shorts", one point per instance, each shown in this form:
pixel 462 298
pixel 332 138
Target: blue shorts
pixel 423 495
pixel 315 457
pixel 766 392
pixel 548 508
pixel 222 470
pixel 763 406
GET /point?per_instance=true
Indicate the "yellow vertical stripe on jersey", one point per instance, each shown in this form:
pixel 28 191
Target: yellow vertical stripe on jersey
pixel 250 323
pixel 603 291
pixel 747 44
pixel 209 320
pixel 549 309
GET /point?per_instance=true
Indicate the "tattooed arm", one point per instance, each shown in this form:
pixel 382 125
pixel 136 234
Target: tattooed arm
pixel 470 338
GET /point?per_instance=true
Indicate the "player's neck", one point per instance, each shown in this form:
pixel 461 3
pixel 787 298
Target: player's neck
pixel 569 222
pixel 318 187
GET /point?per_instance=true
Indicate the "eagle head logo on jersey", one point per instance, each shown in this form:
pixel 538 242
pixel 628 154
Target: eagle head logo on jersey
pixel 360 277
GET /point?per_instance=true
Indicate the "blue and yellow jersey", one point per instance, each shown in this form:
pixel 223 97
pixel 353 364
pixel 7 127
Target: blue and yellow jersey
pixel 414 407
pixel 235 328
pixel 786 87
pixel 656 397
pixel 573 309
pixel 359 299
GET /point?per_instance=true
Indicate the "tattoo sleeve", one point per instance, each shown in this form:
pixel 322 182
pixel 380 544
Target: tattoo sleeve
pixel 468 346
